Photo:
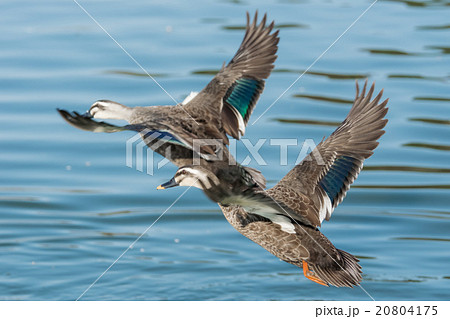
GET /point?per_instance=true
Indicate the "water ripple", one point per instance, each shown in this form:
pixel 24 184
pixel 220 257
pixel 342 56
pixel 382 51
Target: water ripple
pixel 330 75
pixel 390 52
pixel 433 27
pixel 429 3
pixel 307 122
pixel 444 50
pixel 324 98
pixel 136 74
pixel 205 72
pixel 400 168
pixel 419 77
pixel 429 146
pixel 430 121
pixel 432 98
pixel 403 186
pixel 422 238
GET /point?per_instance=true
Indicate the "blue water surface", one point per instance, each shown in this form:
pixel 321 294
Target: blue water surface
pixel 69 205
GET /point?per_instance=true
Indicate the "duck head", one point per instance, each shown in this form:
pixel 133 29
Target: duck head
pixel 105 109
pixel 195 176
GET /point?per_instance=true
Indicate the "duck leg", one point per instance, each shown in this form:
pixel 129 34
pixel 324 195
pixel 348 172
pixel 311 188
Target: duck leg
pixel 310 275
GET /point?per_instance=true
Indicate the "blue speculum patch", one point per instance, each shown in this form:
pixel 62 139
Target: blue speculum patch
pixel 242 94
pixel 158 135
pixel 334 180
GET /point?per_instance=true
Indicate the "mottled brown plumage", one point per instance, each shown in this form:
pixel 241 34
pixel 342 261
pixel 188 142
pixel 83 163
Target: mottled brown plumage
pixel 333 266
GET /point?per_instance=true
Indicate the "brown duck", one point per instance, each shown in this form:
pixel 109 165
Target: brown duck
pixel 285 219
pixel 222 108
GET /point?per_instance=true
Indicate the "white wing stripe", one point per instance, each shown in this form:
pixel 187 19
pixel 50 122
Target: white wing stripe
pixel 326 208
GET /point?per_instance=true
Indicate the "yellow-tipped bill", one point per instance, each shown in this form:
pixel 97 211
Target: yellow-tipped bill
pixel 171 183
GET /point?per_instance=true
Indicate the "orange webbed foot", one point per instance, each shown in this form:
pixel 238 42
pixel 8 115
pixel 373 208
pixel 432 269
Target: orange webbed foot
pixel 310 275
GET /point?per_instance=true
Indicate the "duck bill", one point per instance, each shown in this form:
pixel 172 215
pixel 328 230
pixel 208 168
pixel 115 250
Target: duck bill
pixel 87 114
pixel 168 184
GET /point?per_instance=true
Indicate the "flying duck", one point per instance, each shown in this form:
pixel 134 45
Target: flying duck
pixel 285 219
pixel 222 108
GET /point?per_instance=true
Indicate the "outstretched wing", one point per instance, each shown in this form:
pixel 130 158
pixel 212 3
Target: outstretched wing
pixel 320 182
pixel 232 94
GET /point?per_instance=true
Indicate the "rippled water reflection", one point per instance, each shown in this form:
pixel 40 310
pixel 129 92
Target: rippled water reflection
pixel 69 206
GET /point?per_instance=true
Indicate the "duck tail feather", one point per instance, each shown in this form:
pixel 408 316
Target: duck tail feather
pixel 347 274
